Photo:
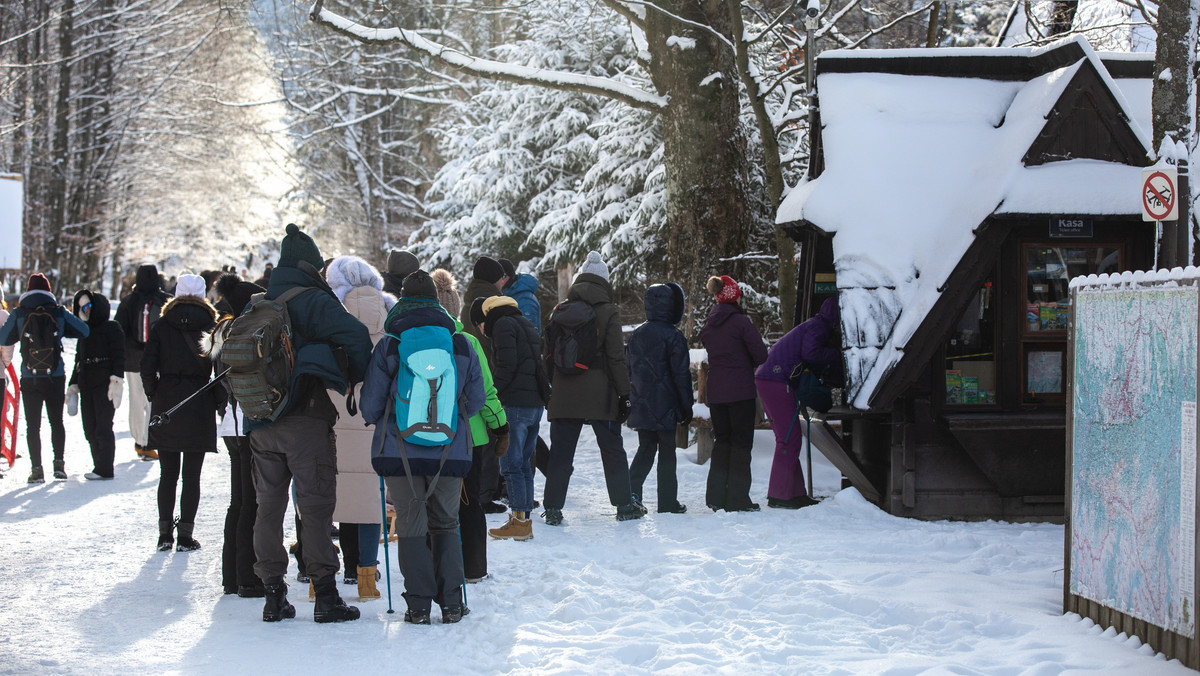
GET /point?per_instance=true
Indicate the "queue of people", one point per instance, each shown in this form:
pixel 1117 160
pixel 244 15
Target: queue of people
pixel 403 394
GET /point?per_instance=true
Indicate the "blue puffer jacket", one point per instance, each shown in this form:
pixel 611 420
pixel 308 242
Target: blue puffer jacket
pixel 69 326
pixel 321 324
pixel 660 381
pixel 378 400
pixel 524 291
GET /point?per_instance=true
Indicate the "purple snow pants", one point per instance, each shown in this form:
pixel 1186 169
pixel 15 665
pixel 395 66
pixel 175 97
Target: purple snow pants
pixel 787 471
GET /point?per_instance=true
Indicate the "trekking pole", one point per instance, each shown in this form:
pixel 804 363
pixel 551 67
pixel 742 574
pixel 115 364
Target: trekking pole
pixel 165 417
pixel 387 567
pixel 808 445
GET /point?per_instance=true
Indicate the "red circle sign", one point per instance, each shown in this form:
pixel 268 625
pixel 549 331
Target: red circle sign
pixel 1158 195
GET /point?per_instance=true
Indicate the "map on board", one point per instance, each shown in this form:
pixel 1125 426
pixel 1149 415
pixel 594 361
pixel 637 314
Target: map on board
pixel 1133 500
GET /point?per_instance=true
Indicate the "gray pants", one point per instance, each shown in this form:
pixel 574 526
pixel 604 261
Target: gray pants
pixel 300 448
pixel 414 518
pixel 432 567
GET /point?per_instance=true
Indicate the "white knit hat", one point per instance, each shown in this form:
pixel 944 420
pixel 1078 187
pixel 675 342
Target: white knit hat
pixel 595 265
pixel 190 285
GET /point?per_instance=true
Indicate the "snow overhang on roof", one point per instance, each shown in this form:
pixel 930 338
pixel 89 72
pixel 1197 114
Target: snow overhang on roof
pixel 914 163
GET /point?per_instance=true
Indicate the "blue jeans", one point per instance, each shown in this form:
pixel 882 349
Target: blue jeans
pixel 523 424
pixel 368 544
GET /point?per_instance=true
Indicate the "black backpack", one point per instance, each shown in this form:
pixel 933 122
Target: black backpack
pixel 572 337
pixel 147 316
pixel 40 343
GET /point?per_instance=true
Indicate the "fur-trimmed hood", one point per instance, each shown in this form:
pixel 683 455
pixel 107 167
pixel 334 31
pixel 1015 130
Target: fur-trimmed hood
pixel 190 313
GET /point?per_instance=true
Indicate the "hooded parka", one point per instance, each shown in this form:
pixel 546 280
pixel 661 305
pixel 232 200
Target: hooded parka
pixel 660 381
pixel 173 369
pixel 593 395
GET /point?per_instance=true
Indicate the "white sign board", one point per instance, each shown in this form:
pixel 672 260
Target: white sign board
pixel 1159 199
pixel 12 213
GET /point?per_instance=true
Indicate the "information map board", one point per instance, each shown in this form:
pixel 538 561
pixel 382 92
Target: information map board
pixel 1131 530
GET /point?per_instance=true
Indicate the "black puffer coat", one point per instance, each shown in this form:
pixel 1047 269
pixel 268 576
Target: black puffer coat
pixel 515 358
pixel 131 315
pixel 102 353
pixel 660 381
pixel 593 395
pixel 172 369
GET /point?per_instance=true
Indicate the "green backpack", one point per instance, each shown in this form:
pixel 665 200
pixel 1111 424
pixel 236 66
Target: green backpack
pixel 260 353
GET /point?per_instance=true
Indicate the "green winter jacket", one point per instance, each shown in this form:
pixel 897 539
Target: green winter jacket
pixel 492 414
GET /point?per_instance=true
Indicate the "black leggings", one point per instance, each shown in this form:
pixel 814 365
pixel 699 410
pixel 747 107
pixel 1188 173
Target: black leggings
pixel 169 463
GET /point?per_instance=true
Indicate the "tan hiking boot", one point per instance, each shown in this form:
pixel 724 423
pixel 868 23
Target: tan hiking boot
pixel 145 453
pixel 515 529
pixel 367 576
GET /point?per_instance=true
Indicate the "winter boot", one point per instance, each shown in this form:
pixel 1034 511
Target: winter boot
pixel 420 585
pixel 367 576
pixel 276 607
pixel 629 512
pixel 553 517
pixel 166 535
pixel 60 471
pixel 144 453
pixel 37 476
pixel 517 528
pixel 454 614
pixel 330 606
pixel 186 543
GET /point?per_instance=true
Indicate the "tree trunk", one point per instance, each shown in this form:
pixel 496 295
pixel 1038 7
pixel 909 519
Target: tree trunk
pixel 60 154
pixel 704 151
pixel 1174 61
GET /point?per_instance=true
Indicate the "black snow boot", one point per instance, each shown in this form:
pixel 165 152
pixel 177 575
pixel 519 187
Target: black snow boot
pixel 186 543
pixel 166 535
pixel 329 605
pixel 276 607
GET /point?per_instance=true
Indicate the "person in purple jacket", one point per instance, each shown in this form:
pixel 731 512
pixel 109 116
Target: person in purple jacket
pixel 734 348
pixel 813 344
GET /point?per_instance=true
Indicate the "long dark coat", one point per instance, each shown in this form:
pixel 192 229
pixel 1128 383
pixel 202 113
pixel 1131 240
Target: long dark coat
pixel 173 368
pixel 102 353
pixel 735 348
pixel 147 288
pixel 660 380
pixel 593 395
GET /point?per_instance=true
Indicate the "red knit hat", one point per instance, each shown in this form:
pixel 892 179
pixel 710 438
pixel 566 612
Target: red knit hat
pixel 731 292
pixel 38 282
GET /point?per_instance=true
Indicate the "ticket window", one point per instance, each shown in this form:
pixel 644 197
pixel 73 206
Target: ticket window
pixel 971 350
pixel 1048 270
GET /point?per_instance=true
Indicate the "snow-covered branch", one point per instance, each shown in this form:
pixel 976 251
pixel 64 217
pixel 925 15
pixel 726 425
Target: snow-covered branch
pixel 487 68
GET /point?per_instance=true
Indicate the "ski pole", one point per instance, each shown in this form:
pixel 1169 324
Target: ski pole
pixel 165 417
pixel 387 567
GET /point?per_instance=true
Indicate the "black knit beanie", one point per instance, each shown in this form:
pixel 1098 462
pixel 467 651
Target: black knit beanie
pixel 419 285
pixel 477 314
pixel 488 269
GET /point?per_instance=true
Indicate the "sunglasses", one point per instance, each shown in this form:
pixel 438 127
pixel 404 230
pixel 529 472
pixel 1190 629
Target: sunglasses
pixel 86 306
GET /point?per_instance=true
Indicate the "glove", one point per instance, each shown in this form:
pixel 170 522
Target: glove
pixel 624 408
pixel 116 386
pixel 501 433
pixel 73 400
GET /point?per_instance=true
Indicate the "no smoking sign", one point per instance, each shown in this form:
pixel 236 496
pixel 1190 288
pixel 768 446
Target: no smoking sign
pixel 1159 199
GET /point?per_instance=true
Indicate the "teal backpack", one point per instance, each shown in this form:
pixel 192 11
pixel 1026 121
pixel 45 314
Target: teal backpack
pixel 426 386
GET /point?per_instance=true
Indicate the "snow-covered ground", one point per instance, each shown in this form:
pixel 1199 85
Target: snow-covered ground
pixel 839 588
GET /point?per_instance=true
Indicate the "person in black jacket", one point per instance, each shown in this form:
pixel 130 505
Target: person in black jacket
pixel 137 313
pixel 173 369
pixel 237 553
pixel 660 392
pixel 98 379
pixel 523 388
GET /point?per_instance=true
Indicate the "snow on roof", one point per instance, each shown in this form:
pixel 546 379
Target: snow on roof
pixel 913 165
